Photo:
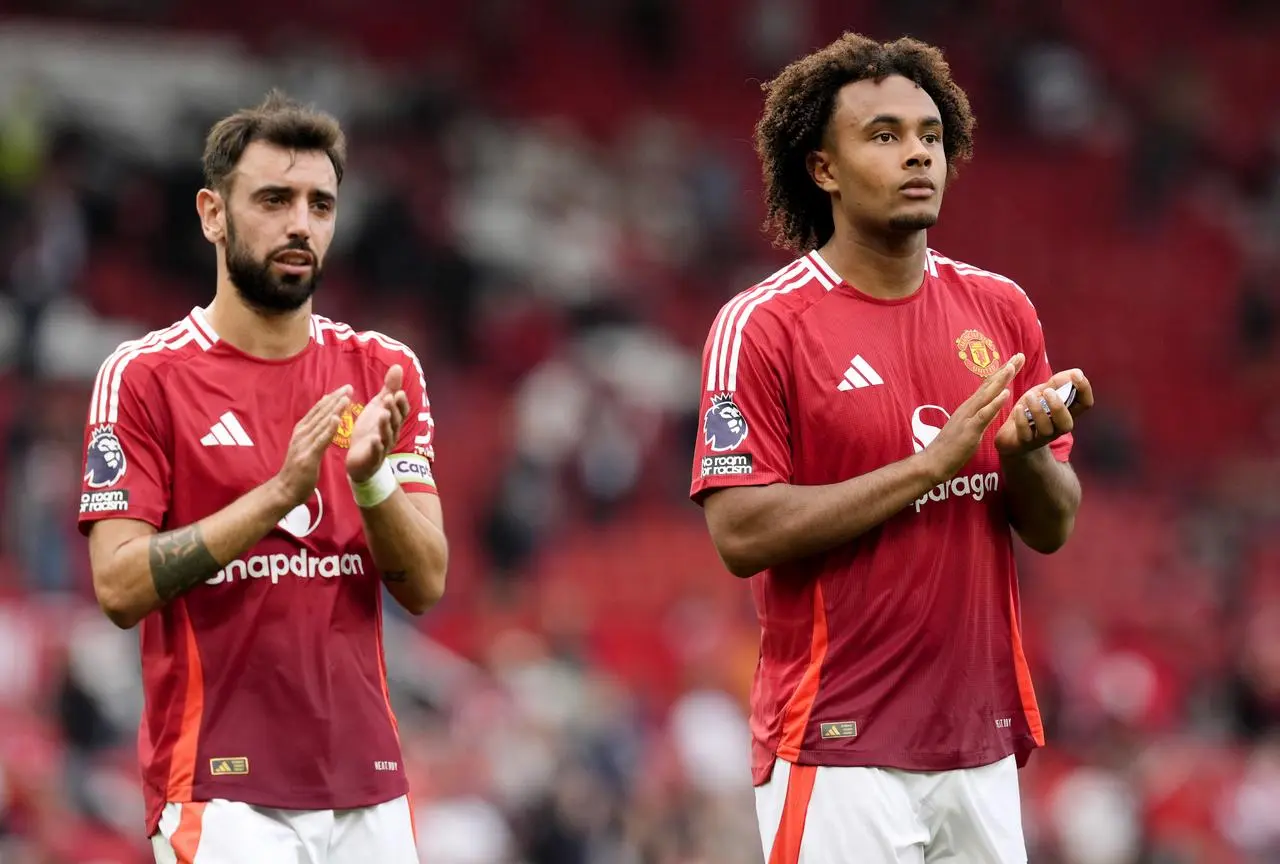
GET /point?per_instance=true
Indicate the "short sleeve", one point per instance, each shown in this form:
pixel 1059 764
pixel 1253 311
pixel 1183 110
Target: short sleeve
pixel 126 470
pixel 1037 369
pixel 414 458
pixel 743 437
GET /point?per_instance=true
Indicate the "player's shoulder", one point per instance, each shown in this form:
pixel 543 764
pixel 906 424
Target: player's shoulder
pixel 775 302
pixel 136 359
pixel 993 286
pixel 343 338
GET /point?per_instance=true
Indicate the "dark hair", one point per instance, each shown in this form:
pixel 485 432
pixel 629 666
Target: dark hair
pixel 277 120
pixel 798 107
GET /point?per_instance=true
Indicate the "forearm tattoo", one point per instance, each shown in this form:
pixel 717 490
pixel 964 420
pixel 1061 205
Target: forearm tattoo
pixel 395 576
pixel 179 560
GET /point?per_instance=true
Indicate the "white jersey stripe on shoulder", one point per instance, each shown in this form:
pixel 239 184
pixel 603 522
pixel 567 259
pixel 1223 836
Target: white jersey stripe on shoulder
pixel 726 315
pixel 117 377
pixel 203 327
pixel 978 271
pixel 101 384
pixel 198 335
pixel 970 270
pixel 931 262
pixel 718 362
pixel 104 371
pixel 818 274
pixel 832 276
pixel 801 280
pixel 961 267
pixel 98 403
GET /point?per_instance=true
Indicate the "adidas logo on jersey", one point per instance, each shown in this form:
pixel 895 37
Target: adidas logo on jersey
pixel 227 432
pixel 859 375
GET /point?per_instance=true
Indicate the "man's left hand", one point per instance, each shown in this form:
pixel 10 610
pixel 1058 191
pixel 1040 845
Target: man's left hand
pixel 378 427
pixel 1050 418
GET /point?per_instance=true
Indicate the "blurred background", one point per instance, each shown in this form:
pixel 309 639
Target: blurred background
pixel 549 200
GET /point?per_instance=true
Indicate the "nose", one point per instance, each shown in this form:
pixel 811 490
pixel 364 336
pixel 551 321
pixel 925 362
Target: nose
pixel 300 219
pixel 918 154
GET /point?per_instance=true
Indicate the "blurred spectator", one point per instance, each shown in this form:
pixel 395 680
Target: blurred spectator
pixel 53 247
pixel 1062 101
pixel 1171 121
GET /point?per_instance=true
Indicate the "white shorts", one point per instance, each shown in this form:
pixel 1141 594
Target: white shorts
pixel 230 832
pixel 828 815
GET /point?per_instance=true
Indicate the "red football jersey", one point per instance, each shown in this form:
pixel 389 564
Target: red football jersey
pixel 902 648
pixel 267 683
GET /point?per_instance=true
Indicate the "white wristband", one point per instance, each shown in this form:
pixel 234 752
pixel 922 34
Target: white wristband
pixel 377 488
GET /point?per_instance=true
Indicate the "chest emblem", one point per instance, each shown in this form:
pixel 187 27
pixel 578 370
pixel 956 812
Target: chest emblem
pixel 346 424
pixel 979 353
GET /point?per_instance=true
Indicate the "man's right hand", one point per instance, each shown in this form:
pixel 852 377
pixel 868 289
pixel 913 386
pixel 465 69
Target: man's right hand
pixel 300 472
pixel 959 438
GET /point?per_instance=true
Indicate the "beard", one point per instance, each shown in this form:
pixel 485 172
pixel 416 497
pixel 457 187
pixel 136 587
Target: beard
pixel 261 287
pixel 907 222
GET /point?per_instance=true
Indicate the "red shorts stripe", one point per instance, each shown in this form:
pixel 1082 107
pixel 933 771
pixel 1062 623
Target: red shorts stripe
pixel 413 820
pixel 795 808
pixel 186 840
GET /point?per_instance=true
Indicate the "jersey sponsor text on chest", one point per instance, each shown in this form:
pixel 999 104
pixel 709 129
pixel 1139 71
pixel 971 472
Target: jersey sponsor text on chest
pixel 975 486
pixel 301 564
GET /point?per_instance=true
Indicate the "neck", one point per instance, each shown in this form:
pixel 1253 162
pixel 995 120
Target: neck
pixel 271 336
pixel 887 266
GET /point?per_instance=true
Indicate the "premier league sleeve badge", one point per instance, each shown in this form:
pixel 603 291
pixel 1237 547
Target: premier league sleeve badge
pixel 104 462
pixel 724 427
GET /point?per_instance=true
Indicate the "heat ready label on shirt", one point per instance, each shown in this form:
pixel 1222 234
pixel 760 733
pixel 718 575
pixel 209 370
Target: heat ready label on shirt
pixel 225 765
pixel 842 729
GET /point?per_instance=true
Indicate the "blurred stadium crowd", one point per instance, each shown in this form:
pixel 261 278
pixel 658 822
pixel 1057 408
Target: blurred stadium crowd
pixel 549 200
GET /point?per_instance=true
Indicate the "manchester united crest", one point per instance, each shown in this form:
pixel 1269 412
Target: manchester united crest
pixel 978 353
pixel 346 424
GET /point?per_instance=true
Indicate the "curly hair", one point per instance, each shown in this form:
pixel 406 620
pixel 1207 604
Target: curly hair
pixel 798 106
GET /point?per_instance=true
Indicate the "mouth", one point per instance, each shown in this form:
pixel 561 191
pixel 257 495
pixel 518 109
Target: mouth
pixel 918 187
pixel 294 261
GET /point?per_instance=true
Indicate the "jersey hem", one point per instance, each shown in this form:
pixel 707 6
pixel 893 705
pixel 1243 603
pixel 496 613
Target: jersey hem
pixel 702 486
pixel 902 761
pixel 318 801
pixel 84 523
